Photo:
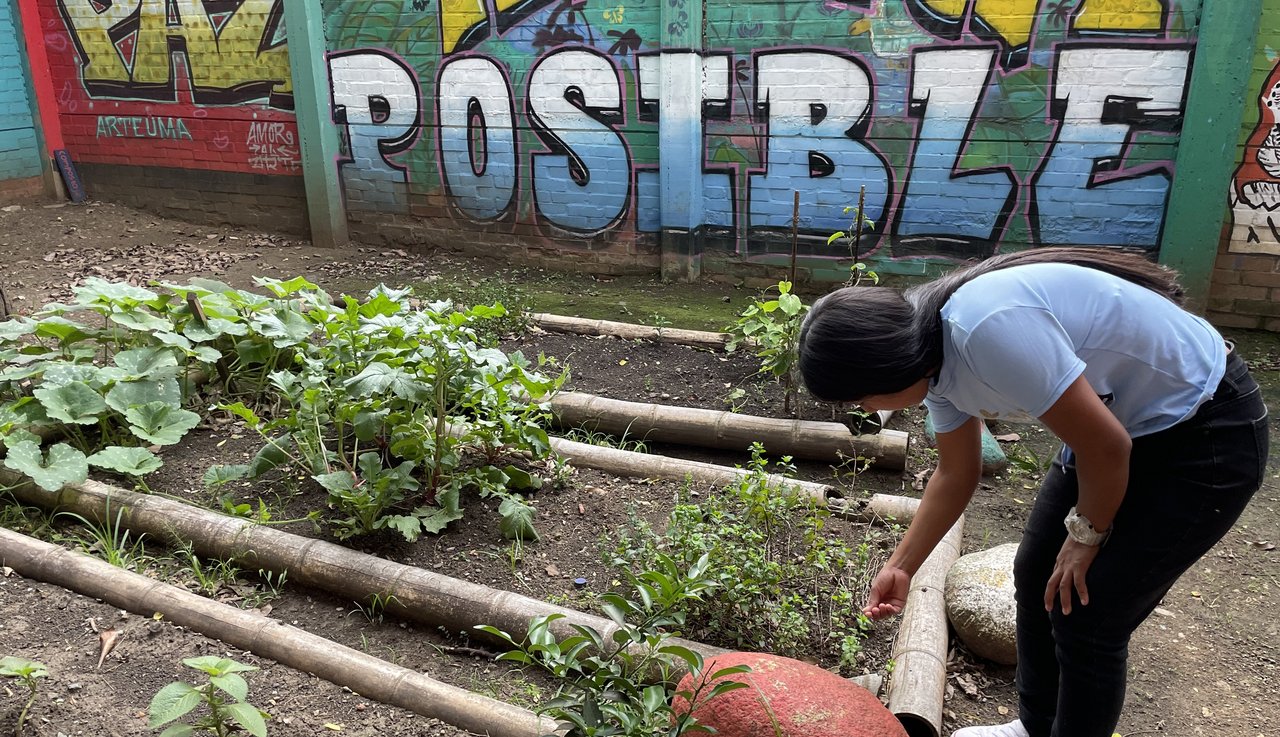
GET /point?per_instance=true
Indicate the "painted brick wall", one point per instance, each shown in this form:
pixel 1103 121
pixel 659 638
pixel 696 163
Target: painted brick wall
pixel 533 125
pixel 200 85
pixel 19 152
pixel 1246 282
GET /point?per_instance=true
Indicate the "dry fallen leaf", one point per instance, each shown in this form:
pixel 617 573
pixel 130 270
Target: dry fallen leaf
pixel 1012 437
pixel 917 482
pixel 552 571
pixel 6 571
pixel 1003 710
pixel 107 640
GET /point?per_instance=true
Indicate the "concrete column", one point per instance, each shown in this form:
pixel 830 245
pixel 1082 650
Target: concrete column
pixel 316 132
pixel 680 139
pixel 1207 150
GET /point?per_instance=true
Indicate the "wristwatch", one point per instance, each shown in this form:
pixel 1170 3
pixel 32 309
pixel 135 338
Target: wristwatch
pixel 1081 530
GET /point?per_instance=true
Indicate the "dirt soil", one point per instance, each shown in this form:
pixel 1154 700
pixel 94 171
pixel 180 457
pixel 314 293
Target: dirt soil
pixel 1205 664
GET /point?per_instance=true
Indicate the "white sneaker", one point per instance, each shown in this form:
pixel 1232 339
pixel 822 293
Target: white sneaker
pixel 1012 729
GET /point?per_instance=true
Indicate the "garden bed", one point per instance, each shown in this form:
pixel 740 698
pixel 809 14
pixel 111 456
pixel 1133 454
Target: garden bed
pixel 1204 664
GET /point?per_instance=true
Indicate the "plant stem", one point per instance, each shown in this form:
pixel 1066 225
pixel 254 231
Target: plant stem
pixel 22 717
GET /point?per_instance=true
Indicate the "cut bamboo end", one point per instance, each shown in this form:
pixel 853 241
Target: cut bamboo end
pixel 820 441
pixel 629 331
pixel 343 666
pixel 917 686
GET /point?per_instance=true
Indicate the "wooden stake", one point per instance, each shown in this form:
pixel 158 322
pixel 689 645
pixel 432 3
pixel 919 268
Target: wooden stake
pixel 795 231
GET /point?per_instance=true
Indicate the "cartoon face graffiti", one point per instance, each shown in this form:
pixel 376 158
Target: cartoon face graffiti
pixel 1255 190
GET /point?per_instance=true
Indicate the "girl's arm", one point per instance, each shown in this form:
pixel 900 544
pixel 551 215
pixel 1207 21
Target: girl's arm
pixel 945 497
pixel 1101 446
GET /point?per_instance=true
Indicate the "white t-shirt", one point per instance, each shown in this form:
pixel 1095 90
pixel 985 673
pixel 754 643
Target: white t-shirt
pixel 1014 340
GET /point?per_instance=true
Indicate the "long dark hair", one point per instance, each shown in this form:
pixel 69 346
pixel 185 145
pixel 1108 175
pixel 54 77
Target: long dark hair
pixel 862 341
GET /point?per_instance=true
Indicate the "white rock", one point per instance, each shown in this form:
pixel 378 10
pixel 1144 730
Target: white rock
pixel 980 603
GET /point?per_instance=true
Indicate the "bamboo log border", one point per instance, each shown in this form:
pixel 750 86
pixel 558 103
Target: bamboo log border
pixel 916 690
pixel 917 686
pixel 629 331
pixel 821 441
pixel 296 648
pixel 432 599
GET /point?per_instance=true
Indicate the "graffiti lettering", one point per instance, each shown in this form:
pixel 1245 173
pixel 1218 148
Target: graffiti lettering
pixel 1088 191
pixel 945 88
pixel 478 153
pixel 375 100
pixel 816 141
pixel 137 126
pixel 584 183
pixel 234 49
pixel 272 147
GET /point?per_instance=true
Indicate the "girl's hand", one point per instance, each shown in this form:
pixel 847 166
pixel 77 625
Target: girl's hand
pixel 888 593
pixel 1069 574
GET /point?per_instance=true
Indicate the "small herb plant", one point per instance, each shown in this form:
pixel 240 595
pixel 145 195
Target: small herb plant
pixel 784 582
pixel 852 238
pixel 224 695
pixel 603 689
pixel 771 327
pixel 28 673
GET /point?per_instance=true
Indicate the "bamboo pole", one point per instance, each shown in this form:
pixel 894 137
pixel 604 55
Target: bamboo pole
pixel 429 598
pixel 917 686
pixel 822 441
pixel 343 666
pixel 654 466
pixel 629 331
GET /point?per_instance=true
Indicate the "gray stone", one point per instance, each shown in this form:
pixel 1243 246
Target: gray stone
pixel 980 603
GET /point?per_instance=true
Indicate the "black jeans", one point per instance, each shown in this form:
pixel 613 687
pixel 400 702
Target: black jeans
pixel 1187 486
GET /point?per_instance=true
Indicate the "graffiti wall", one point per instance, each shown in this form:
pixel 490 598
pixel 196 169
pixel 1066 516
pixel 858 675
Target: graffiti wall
pixel 971 125
pixel 1255 189
pixel 19 153
pixel 192 84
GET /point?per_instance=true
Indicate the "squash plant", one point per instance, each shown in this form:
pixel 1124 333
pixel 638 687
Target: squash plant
pixel 397 410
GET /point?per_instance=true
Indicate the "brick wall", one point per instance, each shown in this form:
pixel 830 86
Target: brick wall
pixel 152 86
pixel 20 166
pixel 974 127
pixel 273 203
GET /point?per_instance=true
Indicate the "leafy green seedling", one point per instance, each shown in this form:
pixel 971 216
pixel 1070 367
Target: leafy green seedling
pixel 28 673
pixel 224 695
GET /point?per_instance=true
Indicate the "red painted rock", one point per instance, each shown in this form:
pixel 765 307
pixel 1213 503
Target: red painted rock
pixel 789 698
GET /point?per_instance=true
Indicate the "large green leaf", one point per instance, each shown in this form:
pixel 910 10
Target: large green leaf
pixel 128 461
pixel 16 327
pixel 172 702
pixel 126 394
pixel 61 329
pixel 160 423
pixel 61 372
pixel 99 290
pixel 273 455
pixel 338 482
pixel 434 520
pixel 75 402
pixel 378 378
pixel 285 327
pixel 232 683
pixel 139 319
pixel 248 716
pixel 63 465
pixel 517 520
pixel 224 473
pixel 214 327
pixel 152 362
